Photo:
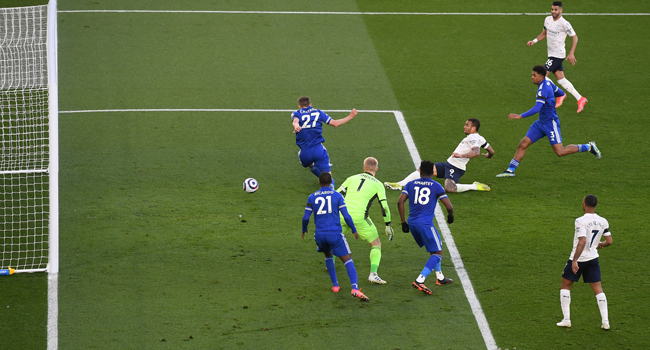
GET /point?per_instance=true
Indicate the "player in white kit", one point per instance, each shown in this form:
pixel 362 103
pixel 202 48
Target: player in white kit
pixel 590 228
pixel 556 28
pixel 455 166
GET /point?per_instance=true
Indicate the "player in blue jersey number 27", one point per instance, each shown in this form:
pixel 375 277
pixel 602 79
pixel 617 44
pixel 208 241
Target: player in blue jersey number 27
pixel 308 127
pixel 548 124
pixel 326 204
pixel 423 195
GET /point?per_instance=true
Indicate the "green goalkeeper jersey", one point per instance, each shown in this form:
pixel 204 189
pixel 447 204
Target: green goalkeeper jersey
pixel 360 191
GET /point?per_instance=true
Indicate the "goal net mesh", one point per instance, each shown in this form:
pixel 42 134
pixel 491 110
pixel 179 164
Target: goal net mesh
pixel 24 196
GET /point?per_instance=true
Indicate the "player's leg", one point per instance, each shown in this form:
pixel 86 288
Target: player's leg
pixel 341 249
pixel 322 161
pixel 307 160
pixel 568 277
pixel 397 186
pixel 324 247
pixel 554 134
pixel 591 275
pixel 566 84
pixel 440 277
pixel 520 153
pixel 431 239
pixel 368 232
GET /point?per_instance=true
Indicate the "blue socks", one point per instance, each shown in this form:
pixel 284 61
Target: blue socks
pixel 352 273
pixel 314 170
pixel 431 265
pixel 329 263
pixel 513 165
pixel 583 148
pixel 438 266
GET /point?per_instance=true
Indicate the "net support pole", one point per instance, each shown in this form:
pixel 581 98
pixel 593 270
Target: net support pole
pixel 53 93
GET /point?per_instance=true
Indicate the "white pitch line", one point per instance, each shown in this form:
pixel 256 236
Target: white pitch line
pixel 53 311
pixel 482 322
pixel 214 110
pixel 360 13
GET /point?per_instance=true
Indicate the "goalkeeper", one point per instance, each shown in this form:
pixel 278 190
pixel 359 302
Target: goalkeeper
pixel 360 191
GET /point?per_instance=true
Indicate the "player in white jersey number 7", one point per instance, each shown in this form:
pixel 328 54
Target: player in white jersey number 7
pixel 556 28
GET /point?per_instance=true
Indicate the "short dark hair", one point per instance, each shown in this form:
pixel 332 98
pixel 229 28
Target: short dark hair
pixel 304 101
pixel 541 70
pixel 325 178
pixel 426 168
pixel 475 123
pixel 591 201
pixel 557 3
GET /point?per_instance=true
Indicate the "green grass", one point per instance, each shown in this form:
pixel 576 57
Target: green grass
pixel 155 255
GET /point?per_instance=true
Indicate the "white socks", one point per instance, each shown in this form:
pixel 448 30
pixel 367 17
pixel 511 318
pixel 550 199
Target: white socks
pixel 463 188
pixel 439 275
pixel 602 305
pixel 566 84
pixel 412 176
pixel 565 302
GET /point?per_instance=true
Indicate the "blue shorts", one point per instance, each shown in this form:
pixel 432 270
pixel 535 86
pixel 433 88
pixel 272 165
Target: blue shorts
pixel 448 171
pixel 426 236
pixel 590 271
pixel 335 243
pixel 317 155
pixel 551 130
pixel 554 64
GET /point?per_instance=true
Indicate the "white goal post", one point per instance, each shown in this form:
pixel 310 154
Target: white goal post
pixel 29 219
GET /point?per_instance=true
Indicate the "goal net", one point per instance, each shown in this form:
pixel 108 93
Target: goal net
pixel 28 125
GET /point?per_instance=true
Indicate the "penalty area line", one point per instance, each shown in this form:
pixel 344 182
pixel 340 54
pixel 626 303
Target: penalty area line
pixel 359 13
pixel 481 320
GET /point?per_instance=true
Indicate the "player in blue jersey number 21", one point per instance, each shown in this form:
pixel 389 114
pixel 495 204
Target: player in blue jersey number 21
pixel 326 204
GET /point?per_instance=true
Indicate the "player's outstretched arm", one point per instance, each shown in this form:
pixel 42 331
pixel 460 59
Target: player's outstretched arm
pixel 339 122
pixel 542 36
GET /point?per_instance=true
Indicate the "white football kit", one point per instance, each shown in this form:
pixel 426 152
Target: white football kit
pixel 592 227
pixel 556 32
pixel 465 146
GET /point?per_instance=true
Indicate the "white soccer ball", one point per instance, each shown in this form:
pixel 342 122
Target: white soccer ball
pixel 251 185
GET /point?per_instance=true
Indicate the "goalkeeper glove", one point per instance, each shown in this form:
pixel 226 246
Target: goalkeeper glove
pixel 405 227
pixel 450 218
pixel 389 231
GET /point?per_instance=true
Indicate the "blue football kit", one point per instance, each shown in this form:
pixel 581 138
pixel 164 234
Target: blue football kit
pixel 326 204
pixel 423 195
pixel 548 123
pixel 310 138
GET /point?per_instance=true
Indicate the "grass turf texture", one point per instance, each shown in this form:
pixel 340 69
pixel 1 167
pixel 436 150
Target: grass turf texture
pixel 163 255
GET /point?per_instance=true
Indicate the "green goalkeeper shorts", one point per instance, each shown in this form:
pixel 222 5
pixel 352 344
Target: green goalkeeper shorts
pixel 365 228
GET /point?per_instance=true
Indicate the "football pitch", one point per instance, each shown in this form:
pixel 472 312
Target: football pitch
pixel 167 106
